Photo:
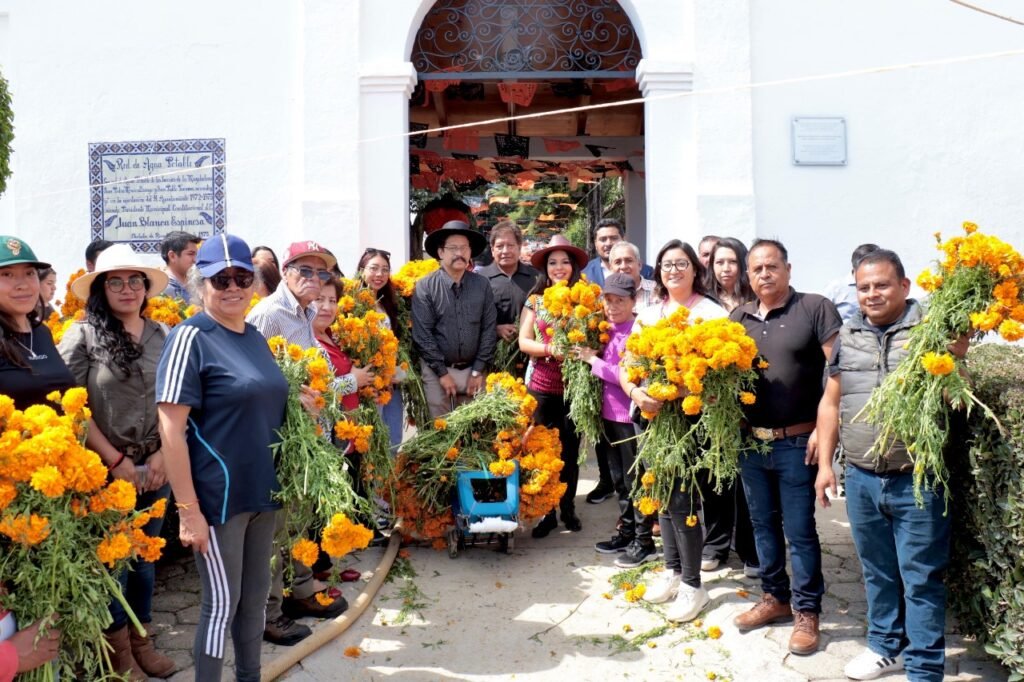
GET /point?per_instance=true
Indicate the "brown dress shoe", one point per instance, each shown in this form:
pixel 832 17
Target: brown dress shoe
pixel 768 610
pixel 149 659
pixel 804 640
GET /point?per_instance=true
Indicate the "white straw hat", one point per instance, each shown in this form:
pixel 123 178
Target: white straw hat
pixel 120 257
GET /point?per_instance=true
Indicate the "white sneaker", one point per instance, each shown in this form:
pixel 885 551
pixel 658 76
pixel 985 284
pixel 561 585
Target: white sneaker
pixel 689 601
pixel 663 587
pixel 870 665
pixel 709 564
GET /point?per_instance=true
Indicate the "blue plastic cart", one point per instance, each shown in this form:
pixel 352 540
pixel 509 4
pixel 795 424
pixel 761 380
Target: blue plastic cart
pixel 486 509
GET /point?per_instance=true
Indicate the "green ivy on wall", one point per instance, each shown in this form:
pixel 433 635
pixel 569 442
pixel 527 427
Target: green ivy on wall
pixel 6 133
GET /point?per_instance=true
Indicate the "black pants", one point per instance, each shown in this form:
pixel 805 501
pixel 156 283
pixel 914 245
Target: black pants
pixel 682 542
pixel 723 513
pixel 553 412
pixel 619 457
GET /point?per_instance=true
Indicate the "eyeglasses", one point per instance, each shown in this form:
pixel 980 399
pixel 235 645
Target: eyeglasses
pixel 242 278
pixel 306 272
pixel 376 270
pixel 135 283
pixel 455 249
pixel 680 265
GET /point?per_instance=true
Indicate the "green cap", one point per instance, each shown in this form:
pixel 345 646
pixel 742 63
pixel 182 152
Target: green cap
pixel 13 251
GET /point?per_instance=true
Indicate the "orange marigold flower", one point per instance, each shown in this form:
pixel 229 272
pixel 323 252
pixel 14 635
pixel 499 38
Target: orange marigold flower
pixel 691 520
pixel 440 424
pixel 49 481
pixel 305 552
pixel 938 364
pixel 323 599
pixel 27 529
pixel 747 398
pixel 113 549
pixel 762 364
pixel 714 632
pixel 1011 330
pixel 353 652
pixel 159 508
pixel 692 405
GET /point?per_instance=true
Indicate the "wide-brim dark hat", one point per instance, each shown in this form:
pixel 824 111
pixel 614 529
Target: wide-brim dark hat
pixel 559 243
pixel 435 240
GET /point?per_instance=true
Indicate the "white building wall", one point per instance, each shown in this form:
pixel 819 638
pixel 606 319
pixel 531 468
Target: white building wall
pixel 928 147
pixel 112 71
pixel 294 87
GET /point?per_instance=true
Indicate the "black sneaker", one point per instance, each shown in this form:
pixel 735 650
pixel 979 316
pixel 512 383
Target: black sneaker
pixel 600 493
pixel 285 632
pixel 637 554
pixel 618 543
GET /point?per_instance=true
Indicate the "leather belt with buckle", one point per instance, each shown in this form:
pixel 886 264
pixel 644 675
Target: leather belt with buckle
pixel 762 433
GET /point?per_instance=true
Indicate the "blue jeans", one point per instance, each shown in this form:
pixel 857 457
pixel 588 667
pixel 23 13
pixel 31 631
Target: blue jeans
pixel 904 550
pixel 393 415
pixel 780 494
pixel 138 579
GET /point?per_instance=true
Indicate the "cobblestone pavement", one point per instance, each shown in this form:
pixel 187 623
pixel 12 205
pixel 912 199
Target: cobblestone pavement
pixel 541 613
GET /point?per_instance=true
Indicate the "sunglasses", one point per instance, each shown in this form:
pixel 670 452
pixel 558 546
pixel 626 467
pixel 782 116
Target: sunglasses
pixel 135 283
pixel 242 278
pixel 306 272
pixel 370 251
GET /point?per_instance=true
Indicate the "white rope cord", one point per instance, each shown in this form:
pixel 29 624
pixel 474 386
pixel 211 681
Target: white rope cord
pixel 779 82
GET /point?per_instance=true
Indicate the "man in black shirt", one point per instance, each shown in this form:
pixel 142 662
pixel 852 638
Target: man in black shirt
pixel 794 333
pixel 510 278
pixel 453 319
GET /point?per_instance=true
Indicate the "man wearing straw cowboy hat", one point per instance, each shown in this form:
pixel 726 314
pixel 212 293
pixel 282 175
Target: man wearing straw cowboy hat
pixel 453 319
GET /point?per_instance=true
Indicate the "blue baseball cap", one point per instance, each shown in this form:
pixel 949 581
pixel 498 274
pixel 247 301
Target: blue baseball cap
pixel 223 251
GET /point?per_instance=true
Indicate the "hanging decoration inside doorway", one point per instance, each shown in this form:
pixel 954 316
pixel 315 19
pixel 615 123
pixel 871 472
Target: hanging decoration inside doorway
pixel 512 145
pixel 520 94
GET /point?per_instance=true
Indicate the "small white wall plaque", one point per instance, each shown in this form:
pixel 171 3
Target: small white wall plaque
pixel 819 141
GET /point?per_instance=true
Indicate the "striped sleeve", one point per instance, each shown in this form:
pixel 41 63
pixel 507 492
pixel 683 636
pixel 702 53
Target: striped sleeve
pixel 178 379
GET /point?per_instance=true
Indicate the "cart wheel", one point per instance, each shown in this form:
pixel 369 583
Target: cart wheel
pixel 503 543
pixel 453 543
pixel 510 543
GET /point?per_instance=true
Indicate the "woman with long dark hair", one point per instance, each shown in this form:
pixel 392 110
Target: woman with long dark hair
pixel 679 282
pixel 114 354
pixel 559 261
pixel 374 268
pixel 724 512
pixel 726 278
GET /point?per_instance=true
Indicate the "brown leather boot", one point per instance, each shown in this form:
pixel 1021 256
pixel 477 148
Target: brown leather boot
pixel 149 659
pixel 804 640
pixel 121 657
pixel 768 610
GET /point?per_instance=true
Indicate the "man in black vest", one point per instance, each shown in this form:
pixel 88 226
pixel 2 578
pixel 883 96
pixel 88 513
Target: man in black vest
pixel 903 547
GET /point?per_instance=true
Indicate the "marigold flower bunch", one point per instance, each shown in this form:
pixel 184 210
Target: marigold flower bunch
pixel 976 287
pixel 362 332
pixel 540 463
pixel 702 371
pixel 492 433
pixel 167 310
pixel 62 526
pixel 71 303
pixel 58 325
pixel 412 272
pixel 315 484
pixel 576 315
pixel 413 394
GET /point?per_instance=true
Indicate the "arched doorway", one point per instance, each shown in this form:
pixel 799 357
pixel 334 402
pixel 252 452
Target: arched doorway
pixel 478 60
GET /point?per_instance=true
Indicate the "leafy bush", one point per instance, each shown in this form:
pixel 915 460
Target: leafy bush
pixel 986 578
pixel 6 133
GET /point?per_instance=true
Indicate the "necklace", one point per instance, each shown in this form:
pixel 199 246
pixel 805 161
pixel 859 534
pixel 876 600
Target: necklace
pixel 32 355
